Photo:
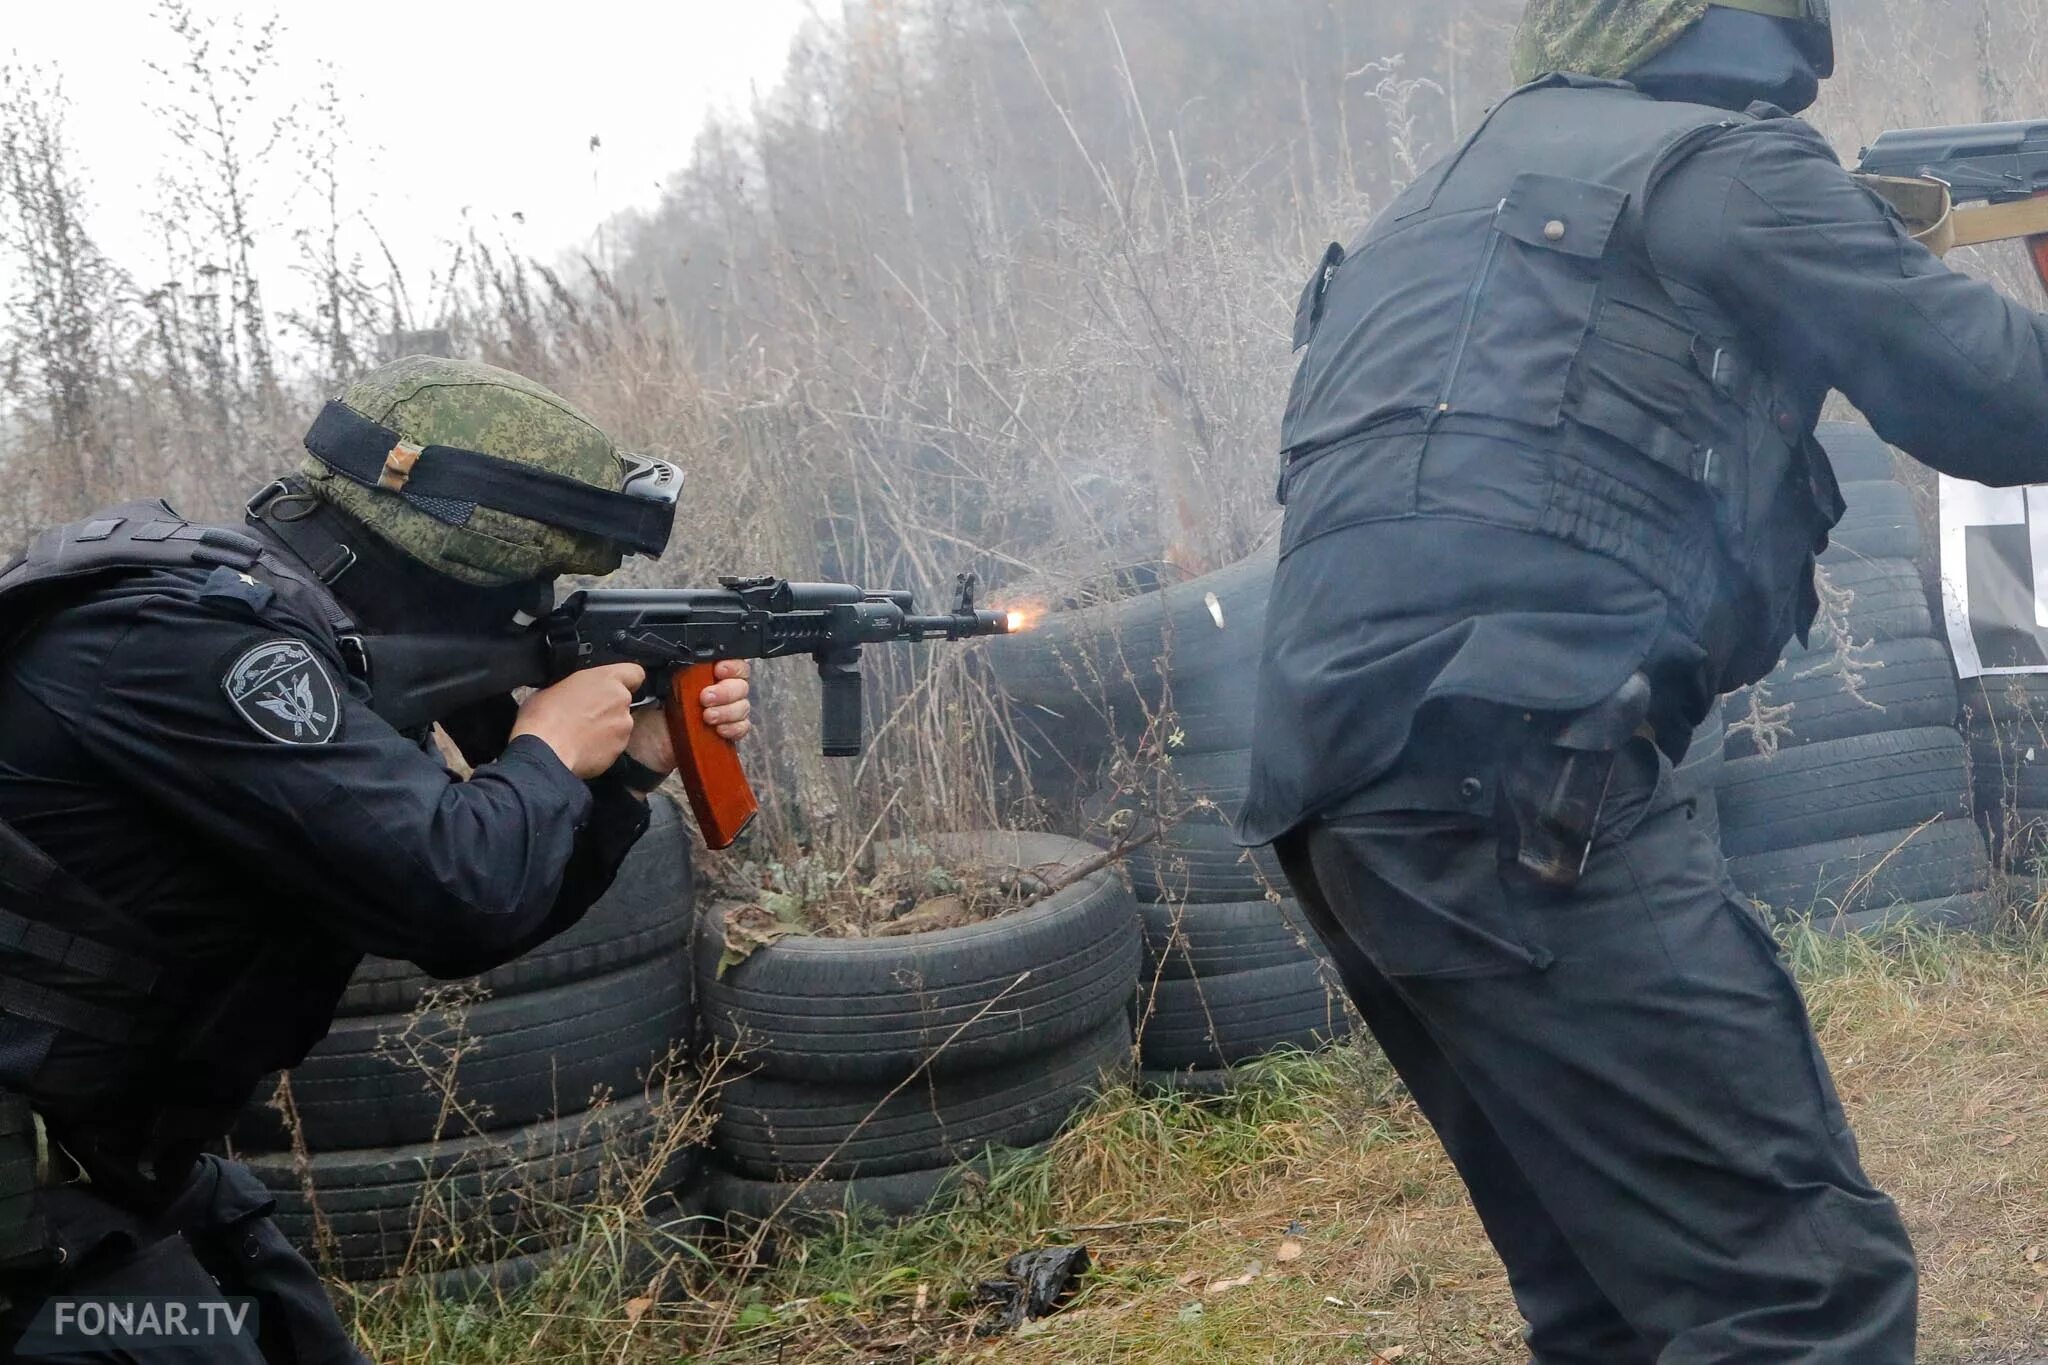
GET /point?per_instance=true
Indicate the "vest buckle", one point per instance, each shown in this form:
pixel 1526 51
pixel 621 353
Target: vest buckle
pixel 265 496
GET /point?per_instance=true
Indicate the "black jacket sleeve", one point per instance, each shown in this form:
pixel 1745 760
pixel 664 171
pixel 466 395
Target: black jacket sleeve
pixel 364 831
pixel 617 820
pixel 1829 283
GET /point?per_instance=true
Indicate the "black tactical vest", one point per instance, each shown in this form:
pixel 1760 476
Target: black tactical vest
pixel 1510 292
pixel 71 962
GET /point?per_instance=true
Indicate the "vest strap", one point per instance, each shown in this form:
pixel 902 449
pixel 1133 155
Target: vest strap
pixel 45 1006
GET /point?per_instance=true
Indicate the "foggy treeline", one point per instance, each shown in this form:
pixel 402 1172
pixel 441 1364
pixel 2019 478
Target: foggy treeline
pixel 1002 285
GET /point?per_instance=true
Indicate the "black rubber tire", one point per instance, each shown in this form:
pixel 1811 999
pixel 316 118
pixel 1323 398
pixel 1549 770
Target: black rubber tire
pixel 469 1283
pixel 1190 1081
pixel 2009 764
pixel 1214 712
pixel 1975 912
pixel 1906 684
pixel 530 1057
pixel 1889 603
pixel 2009 787
pixel 1119 651
pixel 521 1185
pixel 1881 523
pixel 819 1204
pixel 644 914
pixel 1842 788
pixel 2014 705
pixel 1193 940
pixel 2018 837
pixel 1219 1021
pixel 1857 453
pixel 1199 862
pixel 1852 875
pixel 681 1223
pixel 839 1010
pixel 783 1130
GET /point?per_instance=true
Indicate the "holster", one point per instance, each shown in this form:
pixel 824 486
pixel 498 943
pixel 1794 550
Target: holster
pixel 1553 791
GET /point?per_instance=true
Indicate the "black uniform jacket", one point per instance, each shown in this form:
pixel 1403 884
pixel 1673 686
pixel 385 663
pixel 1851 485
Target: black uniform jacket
pixel 1374 616
pixel 134 754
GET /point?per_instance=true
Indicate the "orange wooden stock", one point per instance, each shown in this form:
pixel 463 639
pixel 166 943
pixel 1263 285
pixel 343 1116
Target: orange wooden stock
pixel 709 763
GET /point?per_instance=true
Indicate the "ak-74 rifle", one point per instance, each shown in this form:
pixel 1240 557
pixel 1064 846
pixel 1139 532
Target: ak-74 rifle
pixel 679 636
pixel 1965 186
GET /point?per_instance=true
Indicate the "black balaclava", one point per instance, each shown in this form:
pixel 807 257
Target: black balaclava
pixel 1731 59
pixel 388 592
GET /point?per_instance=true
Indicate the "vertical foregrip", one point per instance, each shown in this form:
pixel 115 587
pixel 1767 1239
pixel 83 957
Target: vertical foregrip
pixel 839 672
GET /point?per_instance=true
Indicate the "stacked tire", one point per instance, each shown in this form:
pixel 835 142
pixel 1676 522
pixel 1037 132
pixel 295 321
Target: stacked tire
pixel 1860 816
pixel 874 1073
pixel 1081 683
pixel 448 1129
pixel 2006 720
pixel 1230 972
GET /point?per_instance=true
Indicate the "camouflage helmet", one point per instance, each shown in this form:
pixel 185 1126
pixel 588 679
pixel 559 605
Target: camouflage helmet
pixel 421 451
pixel 1603 38
pixel 1610 38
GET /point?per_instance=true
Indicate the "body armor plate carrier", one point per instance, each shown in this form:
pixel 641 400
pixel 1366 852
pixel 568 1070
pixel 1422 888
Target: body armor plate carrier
pixel 1504 300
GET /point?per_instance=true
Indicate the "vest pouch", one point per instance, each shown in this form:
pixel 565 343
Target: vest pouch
pixel 1532 303
pixel 1649 381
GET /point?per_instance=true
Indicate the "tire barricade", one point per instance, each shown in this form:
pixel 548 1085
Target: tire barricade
pixel 873 1070
pixel 1231 971
pixel 1859 815
pixel 2006 725
pixel 437 1138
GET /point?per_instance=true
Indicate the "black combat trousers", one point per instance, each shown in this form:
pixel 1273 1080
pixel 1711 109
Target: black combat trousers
pixel 1626 1078
pixel 216 1238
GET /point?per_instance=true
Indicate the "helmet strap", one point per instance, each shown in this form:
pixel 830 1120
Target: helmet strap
pixel 448 483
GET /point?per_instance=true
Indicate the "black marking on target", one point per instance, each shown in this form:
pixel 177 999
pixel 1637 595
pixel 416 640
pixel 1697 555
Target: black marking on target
pixel 285 693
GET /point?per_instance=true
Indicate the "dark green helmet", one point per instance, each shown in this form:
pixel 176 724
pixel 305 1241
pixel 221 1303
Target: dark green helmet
pixel 1610 38
pixel 485 476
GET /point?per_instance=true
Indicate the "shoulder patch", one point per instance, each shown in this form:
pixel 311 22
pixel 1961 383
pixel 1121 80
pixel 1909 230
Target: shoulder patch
pixel 285 693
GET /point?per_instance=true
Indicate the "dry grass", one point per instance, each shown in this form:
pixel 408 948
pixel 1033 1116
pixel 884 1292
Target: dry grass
pixel 1936 1046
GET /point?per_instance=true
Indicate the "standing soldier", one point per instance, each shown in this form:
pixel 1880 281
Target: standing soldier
pixel 203 826
pixel 1551 490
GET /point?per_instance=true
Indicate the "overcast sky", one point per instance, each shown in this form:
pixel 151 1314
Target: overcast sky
pixel 457 105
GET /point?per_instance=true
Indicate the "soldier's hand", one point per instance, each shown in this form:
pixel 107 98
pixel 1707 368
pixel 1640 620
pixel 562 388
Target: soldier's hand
pixel 586 718
pixel 726 708
pixel 726 711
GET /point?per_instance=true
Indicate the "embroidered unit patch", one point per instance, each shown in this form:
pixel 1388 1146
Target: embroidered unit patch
pixel 283 690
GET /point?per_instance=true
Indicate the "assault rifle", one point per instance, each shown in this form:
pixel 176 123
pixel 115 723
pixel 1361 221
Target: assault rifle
pixel 679 636
pixel 1998 171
